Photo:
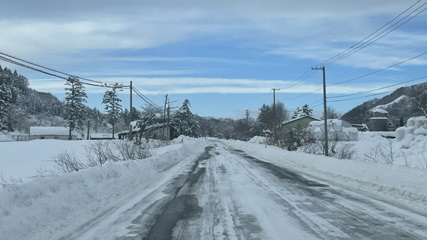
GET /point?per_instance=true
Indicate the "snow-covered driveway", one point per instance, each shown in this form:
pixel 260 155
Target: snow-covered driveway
pixel 227 194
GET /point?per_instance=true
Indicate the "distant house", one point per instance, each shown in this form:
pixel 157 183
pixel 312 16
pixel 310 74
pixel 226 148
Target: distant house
pixel 301 122
pixel 379 120
pixel 100 136
pixel 161 131
pixel 50 133
pixel 20 136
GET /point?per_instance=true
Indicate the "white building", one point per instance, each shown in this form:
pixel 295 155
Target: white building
pixel 51 133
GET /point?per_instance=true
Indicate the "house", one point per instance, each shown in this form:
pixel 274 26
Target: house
pixel 301 122
pixel 20 136
pixel 379 120
pixel 51 133
pixel 139 129
pixel 100 136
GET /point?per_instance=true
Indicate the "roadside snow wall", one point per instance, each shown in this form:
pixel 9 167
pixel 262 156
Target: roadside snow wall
pixel 337 130
pixel 414 126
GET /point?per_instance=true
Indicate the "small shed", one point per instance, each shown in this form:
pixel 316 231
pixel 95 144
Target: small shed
pixel 61 133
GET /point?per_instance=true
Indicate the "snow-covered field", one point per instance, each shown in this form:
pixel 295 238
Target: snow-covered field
pixel 35 208
pixel 42 206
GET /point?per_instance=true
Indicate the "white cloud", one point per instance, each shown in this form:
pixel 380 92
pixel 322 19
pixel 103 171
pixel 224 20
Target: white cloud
pixel 161 86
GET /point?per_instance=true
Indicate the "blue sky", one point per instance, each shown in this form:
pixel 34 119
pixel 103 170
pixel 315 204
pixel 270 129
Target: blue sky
pixel 224 56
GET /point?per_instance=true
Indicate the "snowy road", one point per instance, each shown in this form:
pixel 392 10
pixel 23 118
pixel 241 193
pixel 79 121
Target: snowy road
pixel 228 194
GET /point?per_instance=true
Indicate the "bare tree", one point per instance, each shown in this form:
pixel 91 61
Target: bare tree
pixel 419 97
pixel 331 113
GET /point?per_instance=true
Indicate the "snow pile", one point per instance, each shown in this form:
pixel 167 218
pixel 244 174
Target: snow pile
pixel 5 137
pixel 395 184
pixel 57 201
pixel 257 139
pixel 414 126
pixel 337 130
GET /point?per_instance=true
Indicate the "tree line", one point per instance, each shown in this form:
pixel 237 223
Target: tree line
pixel 22 107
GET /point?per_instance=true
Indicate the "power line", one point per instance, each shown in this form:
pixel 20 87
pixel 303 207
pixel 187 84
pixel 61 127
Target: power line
pixel 315 102
pixel 147 100
pixel 15 60
pixel 380 70
pixel 381 88
pixel 375 36
pixel 343 100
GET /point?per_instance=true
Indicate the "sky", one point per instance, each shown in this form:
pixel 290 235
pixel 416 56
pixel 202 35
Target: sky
pixel 224 56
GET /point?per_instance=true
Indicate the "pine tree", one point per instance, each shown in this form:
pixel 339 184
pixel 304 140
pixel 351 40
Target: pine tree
pixel 112 106
pixel 185 122
pixel 266 117
pixel 74 104
pixel 302 112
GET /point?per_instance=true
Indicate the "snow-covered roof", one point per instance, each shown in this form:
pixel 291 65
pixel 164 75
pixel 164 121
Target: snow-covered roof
pixel 51 131
pixel 378 110
pixel 299 118
pixel 379 118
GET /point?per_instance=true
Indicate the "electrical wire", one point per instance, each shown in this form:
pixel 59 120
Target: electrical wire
pixel 147 100
pixel 380 70
pixel 47 68
pixel 375 36
pixel 381 88
pixel 376 94
pixel 36 67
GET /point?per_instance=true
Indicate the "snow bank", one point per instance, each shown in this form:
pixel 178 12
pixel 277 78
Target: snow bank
pixel 257 139
pixel 399 185
pixel 336 130
pixel 28 210
pixel 5 137
pixel 415 126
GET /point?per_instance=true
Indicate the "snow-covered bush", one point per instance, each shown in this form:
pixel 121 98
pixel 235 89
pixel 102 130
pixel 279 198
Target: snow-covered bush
pixel 384 153
pixel 68 162
pixel 100 152
pixel 335 149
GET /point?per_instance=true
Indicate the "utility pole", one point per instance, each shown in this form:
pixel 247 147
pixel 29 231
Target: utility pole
pixel 130 111
pixel 166 125
pixel 115 86
pixel 72 102
pixel 114 120
pixel 275 114
pixel 324 108
pixel 164 110
pixel 88 129
pixel 247 116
